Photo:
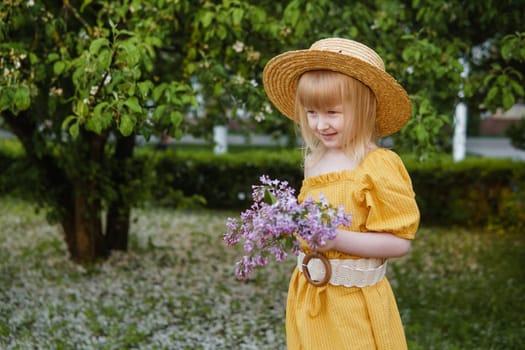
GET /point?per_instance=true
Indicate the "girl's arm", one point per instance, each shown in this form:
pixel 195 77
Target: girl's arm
pixel 369 244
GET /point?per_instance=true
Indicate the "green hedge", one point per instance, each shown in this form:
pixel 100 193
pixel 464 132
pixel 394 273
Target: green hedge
pixel 477 191
pixel 223 180
pixel 17 176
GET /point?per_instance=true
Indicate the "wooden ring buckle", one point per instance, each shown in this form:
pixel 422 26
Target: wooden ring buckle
pixel 327 266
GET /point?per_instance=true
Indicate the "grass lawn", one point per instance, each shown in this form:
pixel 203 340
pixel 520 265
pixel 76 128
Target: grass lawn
pixel 175 288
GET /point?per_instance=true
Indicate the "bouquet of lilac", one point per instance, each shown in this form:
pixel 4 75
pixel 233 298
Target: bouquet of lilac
pixel 275 221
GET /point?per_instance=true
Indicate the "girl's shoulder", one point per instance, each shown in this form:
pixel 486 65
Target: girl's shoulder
pixel 381 156
pixel 383 166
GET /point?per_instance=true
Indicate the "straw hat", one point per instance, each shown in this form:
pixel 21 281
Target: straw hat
pixel 281 74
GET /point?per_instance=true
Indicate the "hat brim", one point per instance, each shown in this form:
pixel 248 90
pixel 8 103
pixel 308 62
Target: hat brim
pixel 281 74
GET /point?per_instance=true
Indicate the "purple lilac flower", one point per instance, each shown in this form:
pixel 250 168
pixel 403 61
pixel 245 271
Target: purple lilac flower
pixel 271 225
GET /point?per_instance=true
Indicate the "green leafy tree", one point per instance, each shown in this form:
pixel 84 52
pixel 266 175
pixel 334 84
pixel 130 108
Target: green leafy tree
pixel 74 76
pixel 485 36
pixel 82 79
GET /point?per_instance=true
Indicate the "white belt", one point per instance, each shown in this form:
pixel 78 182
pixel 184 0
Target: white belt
pixel 344 272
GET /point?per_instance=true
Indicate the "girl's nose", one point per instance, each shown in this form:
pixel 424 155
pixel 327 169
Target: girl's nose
pixel 322 122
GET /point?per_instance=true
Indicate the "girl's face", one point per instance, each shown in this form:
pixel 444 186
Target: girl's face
pixel 327 124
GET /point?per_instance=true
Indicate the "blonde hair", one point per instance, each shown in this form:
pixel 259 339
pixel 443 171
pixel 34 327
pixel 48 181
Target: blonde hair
pixel 325 89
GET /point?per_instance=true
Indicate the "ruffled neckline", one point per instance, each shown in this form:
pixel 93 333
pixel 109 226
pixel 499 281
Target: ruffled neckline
pixel 345 174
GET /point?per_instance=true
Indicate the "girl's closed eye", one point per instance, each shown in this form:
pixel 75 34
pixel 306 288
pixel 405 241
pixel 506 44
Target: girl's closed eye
pixel 311 113
pixel 335 110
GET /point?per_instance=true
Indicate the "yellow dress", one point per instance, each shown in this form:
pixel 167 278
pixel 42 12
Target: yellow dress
pixel 379 195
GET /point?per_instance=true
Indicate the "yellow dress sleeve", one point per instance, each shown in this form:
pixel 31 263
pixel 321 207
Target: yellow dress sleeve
pixel 389 196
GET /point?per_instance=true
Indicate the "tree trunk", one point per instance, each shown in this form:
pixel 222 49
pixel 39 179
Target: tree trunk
pixel 119 210
pixel 82 223
pixel 83 228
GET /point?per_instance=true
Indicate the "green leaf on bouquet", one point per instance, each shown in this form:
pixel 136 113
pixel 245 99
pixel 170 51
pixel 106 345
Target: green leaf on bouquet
pixel 269 198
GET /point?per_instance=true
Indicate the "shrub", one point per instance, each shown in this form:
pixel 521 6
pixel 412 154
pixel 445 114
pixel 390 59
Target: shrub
pixel 516 133
pixel 17 176
pixel 472 192
pixel 224 180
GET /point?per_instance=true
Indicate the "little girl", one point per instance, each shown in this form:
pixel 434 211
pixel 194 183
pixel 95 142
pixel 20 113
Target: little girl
pixel 342 98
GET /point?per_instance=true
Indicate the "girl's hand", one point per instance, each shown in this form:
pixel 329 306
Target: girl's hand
pixel 331 244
